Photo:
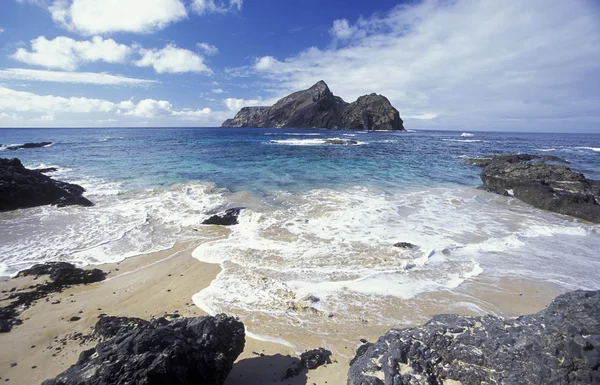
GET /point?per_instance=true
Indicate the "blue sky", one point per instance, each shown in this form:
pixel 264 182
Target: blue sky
pixel 465 64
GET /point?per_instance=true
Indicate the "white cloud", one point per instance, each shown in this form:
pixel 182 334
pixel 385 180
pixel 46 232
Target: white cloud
pixel 68 54
pixel 425 116
pixel 342 29
pixel 477 64
pixel 218 91
pixel 266 63
pixel 1 30
pixel 22 108
pixel 234 104
pixel 208 49
pixel 71 77
pixel 21 101
pixel 172 60
pixel 216 6
pixel 99 17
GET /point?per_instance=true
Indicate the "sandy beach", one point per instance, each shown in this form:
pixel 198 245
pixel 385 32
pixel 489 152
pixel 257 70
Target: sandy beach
pixel 164 282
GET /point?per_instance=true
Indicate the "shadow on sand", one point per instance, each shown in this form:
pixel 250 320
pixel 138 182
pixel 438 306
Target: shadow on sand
pixel 265 370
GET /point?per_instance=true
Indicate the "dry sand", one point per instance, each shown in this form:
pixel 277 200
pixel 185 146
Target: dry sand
pixel 165 281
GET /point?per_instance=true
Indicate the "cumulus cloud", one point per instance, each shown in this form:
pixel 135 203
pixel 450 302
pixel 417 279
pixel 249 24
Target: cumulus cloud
pixel 22 107
pixel 473 64
pixel 71 77
pixel 171 59
pixel 342 29
pixel 68 54
pixel 218 91
pixel 91 17
pixel 208 49
pixel 234 104
pixel 216 6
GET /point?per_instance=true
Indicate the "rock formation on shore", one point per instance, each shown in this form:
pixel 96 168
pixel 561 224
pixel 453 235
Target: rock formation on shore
pixel 22 188
pixel 60 276
pixel 559 345
pixel 186 351
pixel 544 185
pixel 318 107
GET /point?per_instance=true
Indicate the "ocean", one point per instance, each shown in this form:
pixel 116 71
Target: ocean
pixel 314 246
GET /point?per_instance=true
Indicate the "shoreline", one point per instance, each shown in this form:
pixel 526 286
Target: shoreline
pixel 162 282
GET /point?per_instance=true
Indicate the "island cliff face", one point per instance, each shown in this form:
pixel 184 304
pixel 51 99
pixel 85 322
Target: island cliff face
pixel 318 107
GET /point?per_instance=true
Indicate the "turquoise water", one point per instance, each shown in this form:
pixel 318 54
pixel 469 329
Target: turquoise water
pixel 320 219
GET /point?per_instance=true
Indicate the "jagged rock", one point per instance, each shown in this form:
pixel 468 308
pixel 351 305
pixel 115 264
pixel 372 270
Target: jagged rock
pixel 22 188
pixel 371 112
pixel 543 185
pixel 318 107
pixel 187 351
pixel 229 218
pixel 559 345
pixel 29 145
pixel 61 275
pixel 109 327
pixel 309 360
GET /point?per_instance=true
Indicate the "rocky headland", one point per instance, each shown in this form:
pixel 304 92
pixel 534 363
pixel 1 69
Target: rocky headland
pixel 559 345
pixel 21 187
pixel 543 182
pixel 318 107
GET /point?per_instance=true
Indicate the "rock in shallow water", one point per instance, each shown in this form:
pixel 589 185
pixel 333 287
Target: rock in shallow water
pixel 228 218
pixel 188 351
pixel 542 185
pixel 559 345
pixel 23 188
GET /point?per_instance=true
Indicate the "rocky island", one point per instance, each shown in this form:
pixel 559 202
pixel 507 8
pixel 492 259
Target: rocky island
pixel 318 107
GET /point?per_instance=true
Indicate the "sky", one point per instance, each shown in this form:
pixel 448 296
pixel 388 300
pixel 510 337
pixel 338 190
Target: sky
pixel 496 65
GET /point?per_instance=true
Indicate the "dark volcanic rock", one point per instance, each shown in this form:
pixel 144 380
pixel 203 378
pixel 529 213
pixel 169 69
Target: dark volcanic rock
pixel 46 170
pixel 309 360
pixel 229 218
pixel 29 145
pixel 318 107
pixel 187 351
pixel 109 327
pixel 61 275
pixel 371 112
pixel 559 345
pixel 405 245
pixel 543 185
pixel 22 188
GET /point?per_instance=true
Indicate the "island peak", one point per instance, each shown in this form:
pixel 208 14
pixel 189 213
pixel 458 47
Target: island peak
pixel 318 107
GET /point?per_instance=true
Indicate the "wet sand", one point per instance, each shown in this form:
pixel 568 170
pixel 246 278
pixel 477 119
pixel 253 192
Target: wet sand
pixel 164 282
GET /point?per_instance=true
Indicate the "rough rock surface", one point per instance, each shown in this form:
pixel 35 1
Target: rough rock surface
pixel 559 345
pixel 29 145
pixel 61 275
pixel 187 351
pixel 228 218
pixel 309 360
pixel 318 107
pixel 544 185
pixel 22 188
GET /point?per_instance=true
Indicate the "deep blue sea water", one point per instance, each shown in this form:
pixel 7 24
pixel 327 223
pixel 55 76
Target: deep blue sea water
pixel 321 219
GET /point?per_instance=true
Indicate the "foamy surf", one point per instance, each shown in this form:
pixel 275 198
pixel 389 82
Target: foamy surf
pixel 316 142
pixel 329 253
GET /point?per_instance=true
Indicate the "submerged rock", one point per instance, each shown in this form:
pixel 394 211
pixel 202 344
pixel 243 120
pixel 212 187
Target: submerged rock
pixel 228 218
pixel 346 142
pixel 405 245
pixel 29 145
pixel 559 345
pixel 318 107
pixel 186 351
pixel 543 185
pixel 23 188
